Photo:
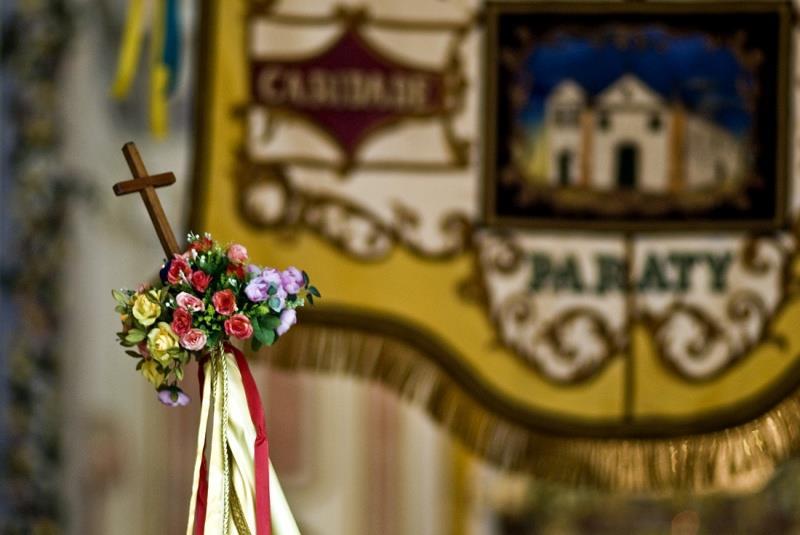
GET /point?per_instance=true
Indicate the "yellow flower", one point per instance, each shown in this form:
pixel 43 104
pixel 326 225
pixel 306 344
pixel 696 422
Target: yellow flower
pixel 160 340
pixel 152 372
pixel 145 311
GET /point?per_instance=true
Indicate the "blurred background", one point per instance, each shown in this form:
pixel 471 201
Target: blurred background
pixel 85 447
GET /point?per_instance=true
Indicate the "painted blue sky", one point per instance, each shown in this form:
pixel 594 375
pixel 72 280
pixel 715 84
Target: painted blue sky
pixel 705 78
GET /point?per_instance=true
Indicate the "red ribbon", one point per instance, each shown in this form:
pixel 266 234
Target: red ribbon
pixel 260 448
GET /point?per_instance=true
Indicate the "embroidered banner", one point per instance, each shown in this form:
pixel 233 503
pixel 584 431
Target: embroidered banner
pixel 568 229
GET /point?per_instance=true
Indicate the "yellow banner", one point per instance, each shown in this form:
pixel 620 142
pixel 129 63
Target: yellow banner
pixel 554 252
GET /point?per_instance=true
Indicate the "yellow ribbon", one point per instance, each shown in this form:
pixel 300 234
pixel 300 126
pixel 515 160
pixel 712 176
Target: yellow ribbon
pixel 130 50
pixel 159 75
pixel 201 440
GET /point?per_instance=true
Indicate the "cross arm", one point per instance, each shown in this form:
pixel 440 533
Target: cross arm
pixel 138 184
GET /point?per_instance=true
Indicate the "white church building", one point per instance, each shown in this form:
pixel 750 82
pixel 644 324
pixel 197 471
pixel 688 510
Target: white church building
pixel 630 137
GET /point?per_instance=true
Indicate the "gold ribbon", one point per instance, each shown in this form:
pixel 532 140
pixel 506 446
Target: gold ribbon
pixel 130 50
pixel 159 74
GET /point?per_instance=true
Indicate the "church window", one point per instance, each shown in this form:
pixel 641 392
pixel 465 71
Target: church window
pixel 603 120
pixel 655 122
pixel 564 167
pixel 567 117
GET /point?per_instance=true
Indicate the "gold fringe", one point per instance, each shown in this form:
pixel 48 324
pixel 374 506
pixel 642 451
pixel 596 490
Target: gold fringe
pixel 740 458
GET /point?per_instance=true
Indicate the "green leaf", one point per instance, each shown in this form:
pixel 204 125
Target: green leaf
pixel 139 365
pixel 120 297
pixel 120 309
pixel 257 329
pixel 305 278
pixel 213 339
pixel 310 299
pixel 313 290
pixel 133 354
pixel 265 336
pixel 274 303
pixel 269 322
pixel 134 336
pixel 255 344
pixel 179 373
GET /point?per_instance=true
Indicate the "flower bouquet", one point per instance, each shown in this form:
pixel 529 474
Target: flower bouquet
pixel 208 295
pixel 207 298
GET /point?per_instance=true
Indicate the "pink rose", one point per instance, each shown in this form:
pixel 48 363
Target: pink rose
pixel 194 340
pixel 200 280
pixel 189 302
pixel 181 321
pixel 224 302
pixel 237 253
pixel 178 266
pixel 239 326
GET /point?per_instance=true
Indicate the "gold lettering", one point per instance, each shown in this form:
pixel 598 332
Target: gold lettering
pixel 295 87
pixel 320 88
pixel 417 90
pixel 352 89
pixel 268 85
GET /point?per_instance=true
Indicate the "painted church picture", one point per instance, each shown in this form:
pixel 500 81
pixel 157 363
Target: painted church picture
pixel 641 116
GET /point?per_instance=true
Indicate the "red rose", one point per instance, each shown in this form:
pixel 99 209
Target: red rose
pixel 181 321
pixel 200 280
pixel 224 302
pixel 236 270
pixel 201 245
pixel 239 326
pixel 176 267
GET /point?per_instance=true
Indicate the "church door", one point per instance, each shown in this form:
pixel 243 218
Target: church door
pixel 564 165
pixel 627 165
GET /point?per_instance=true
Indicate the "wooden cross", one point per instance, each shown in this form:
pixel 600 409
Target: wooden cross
pixel 146 185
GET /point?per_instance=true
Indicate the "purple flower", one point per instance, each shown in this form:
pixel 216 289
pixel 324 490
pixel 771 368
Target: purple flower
pixel 173 396
pixel 272 276
pixel 277 301
pixel 292 280
pixel 257 290
pixel 253 269
pixel 288 318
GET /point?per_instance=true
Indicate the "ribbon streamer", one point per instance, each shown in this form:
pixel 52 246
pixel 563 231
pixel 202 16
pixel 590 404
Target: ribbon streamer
pixel 238 488
pixel 164 60
pixel 159 74
pixel 130 50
